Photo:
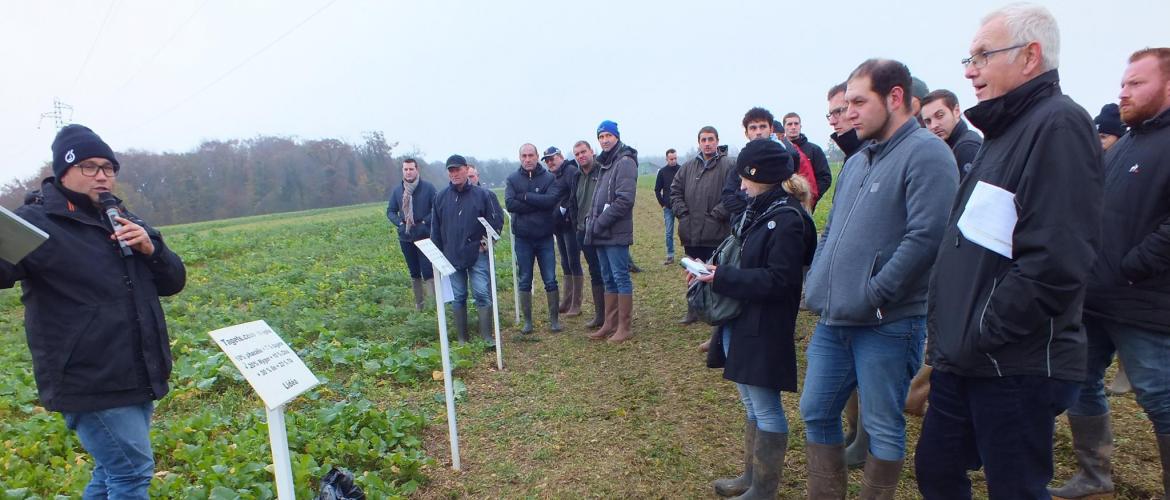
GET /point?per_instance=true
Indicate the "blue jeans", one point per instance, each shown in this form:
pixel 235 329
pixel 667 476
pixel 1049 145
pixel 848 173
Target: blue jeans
pixel 615 268
pixel 761 403
pixel 879 361
pixel 545 252
pixel 570 253
pixel 590 254
pixel 480 283
pixel 1003 424
pixel 668 220
pixel 416 262
pixel 119 441
pixel 1146 357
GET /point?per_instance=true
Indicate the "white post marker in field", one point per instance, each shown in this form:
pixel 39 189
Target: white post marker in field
pixel 445 269
pixel 515 279
pixel 491 232
pixel 278 375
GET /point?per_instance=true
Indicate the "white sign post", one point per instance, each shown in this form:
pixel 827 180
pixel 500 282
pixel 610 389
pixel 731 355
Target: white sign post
pixel 491 232
pixel 278 375
pixel 445 269
pixel 515 270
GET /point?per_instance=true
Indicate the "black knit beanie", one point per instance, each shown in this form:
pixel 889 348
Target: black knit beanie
pixel 1109 121
pixel 764 161
pixel 75 143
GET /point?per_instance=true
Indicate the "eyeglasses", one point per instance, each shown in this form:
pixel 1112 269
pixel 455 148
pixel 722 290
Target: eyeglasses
pixel 980 60
pixel 836 112
pixel 91 170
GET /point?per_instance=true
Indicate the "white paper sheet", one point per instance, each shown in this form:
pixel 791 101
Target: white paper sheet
pixel 989 218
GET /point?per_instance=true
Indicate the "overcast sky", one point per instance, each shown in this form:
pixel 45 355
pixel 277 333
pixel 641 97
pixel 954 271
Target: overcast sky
pixel 480 78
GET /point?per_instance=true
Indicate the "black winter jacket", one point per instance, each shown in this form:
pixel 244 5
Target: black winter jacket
pixel 566 180
pixel 533 198
pixel 94 323
pixel 455 222
pixel 1131 281
pixel 965 144
pixel 611 213
pixel 992 316
pixel 662 184
pixel 424 199
pixel 776 247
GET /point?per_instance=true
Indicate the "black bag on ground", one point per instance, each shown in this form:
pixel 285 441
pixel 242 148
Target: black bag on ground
pixel 338 485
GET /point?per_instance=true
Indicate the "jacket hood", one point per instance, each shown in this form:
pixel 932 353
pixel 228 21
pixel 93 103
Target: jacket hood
pixel 1155 123
pixel 848 142
pixel 994 116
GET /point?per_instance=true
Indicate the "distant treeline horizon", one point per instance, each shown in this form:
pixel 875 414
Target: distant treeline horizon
pixel 222 179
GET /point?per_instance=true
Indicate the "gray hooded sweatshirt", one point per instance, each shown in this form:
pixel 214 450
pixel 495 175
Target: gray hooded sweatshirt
pixel 889 210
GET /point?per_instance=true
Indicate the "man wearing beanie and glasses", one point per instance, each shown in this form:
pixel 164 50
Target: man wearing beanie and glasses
pixel 99 344
pixel 609 227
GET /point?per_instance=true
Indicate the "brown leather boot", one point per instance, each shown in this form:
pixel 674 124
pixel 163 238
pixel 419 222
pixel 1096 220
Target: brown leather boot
pixel 611 318
pixel 577 284
pixel 567 297
pixel 625 305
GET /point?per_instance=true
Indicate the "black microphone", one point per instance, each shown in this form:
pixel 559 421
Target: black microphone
pixel 110 207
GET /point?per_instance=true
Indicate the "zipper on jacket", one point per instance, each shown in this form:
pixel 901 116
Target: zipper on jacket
pixel 836 244
pixel 872 268
pixel 994 282
pixel 1048 347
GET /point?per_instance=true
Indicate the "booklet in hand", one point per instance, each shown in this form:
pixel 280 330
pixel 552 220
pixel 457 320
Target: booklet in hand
pixel 18 237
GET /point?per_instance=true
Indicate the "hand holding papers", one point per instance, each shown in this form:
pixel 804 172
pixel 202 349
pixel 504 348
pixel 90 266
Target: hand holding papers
pixel 989 218
pixel 695 267
pixel 18 237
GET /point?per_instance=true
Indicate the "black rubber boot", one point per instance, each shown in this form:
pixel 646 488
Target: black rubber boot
pixel 736 486
pixel 461 321
pixel 416 286
pixel 880 480
pixel 598 308
pixel 526 312
pixel 554 318
pixel 485 328
pixel 1093 447
pixel 767 465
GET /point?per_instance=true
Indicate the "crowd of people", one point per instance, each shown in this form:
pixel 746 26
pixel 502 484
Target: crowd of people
pixel 985 281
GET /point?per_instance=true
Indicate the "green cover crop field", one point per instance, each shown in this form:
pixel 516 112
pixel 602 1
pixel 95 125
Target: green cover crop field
pixel 567 418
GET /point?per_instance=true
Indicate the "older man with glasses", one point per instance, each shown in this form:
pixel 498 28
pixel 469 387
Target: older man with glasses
pixel 1006 337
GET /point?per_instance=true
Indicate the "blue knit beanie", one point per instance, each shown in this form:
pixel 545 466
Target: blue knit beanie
pixel 609 126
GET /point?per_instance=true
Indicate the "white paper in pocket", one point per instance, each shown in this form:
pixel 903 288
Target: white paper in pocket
pixel 989 218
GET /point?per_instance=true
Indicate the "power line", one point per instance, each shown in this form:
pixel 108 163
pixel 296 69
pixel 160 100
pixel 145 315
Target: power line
pixel 92 46
pixel 160 48
pixel 58 114
pixel 234 68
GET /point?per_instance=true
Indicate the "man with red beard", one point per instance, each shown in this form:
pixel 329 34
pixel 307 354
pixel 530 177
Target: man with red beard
pixel 1127 306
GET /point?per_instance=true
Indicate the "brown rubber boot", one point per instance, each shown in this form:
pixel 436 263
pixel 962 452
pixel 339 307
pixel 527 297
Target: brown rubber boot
pixel 738 485
pixel 919 392
pixel 611 318
pixel 880 480
pixel 577 285
pixel 625 318
pixel 826 471
pixel 598 307
pixel 567 298
pixel 1093 446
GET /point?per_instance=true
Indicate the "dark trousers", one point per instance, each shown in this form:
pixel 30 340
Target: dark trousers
pixel 1003 424
pixel 416 262
pixel 570 253
pixel 701 253
pixel 590 253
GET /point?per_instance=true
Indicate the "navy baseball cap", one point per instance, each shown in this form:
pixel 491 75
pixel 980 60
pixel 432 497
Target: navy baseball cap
pixel 551 151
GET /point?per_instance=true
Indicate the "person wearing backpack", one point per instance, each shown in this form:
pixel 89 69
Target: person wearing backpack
pixel 756 349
